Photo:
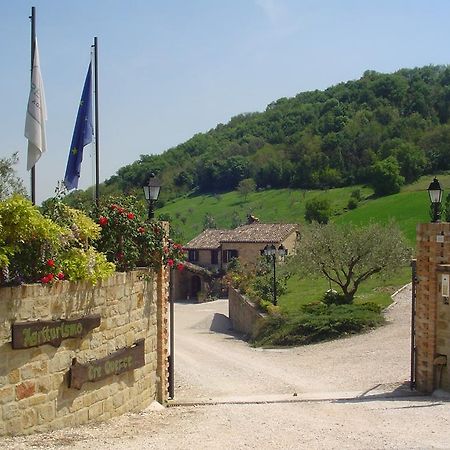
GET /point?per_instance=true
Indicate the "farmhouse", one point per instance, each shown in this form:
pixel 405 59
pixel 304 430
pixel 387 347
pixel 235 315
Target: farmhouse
pixel 211 251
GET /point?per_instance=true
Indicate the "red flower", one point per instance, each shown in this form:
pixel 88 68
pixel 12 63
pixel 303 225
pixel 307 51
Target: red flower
pixel 45 279
pixel 113 206
pixel 166 250
pixel 51 263
pixel 60 276
pixel 170 262
pixel 141 230
pixel 180 266
pixel 130 216
pixel 120 210
pixel 103 221
pixel 50 277
pixel 120 256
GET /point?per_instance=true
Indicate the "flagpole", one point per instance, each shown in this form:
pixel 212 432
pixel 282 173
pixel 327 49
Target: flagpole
pixel 97 154
pixel 33 48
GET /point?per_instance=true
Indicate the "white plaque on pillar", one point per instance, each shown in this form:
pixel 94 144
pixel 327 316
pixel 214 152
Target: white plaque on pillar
pixel 440 238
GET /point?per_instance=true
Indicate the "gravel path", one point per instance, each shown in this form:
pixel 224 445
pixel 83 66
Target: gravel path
pixel 348 393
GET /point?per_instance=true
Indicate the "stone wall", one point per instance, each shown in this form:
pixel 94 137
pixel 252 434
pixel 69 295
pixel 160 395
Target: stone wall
pixel 432 336
pixel 243 314
pixel 34 392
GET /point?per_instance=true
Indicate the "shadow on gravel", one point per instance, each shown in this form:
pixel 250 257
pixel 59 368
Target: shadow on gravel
pixel 399 393
pixel 222 324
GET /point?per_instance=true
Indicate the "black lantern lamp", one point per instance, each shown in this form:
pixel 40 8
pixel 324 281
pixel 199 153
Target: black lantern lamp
pixel 435 192
pixel 282 252
pixel 151 192
pixel 273 252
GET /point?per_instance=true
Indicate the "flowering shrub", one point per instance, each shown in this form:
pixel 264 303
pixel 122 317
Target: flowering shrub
pixel 257 282
pixel 36 248
pixel 130 242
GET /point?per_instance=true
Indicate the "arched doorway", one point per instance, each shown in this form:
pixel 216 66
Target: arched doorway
pixel 196 286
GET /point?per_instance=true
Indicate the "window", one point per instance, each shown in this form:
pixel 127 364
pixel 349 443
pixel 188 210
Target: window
pixel 214 257
pixel 228 255
pixel 193 255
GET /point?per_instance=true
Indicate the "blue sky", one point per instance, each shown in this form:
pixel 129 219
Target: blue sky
pixel 173 68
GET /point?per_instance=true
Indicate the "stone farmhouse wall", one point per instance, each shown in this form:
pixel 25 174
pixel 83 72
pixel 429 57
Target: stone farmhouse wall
pixel 243 314
pixel 250 252
pixel 432 319
pixel 34 382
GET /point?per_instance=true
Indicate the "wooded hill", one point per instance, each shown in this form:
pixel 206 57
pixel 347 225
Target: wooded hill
pixel 383 129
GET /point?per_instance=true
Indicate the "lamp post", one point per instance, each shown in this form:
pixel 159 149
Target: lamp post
pixel 435 192
pixel 151 192
pixel 273 252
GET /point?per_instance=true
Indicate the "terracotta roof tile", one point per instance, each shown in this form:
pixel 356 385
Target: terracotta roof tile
pixel 208 239
pixel 255 232
pixel 261 232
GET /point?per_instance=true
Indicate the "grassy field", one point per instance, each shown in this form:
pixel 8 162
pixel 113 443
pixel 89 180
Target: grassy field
pixel 282 205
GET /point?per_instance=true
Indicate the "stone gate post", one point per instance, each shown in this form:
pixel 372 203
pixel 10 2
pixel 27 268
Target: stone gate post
pixel 432 335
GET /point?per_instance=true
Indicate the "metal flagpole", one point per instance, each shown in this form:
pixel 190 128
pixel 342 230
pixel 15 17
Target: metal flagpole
pixel 97 147
pixel 33 48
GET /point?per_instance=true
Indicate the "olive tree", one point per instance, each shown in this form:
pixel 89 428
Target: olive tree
pixel 348 255
pixel 9 182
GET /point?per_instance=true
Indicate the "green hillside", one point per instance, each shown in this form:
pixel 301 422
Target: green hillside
pixel 409 207
pixel 229 210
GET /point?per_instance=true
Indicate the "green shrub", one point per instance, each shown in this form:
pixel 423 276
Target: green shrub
pixel 79 264
pixel 318 210
pixel 332 297
pixel 317 322
pixel 356 194
pixel 352 203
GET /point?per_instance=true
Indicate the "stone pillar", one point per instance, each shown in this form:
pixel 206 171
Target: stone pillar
pixel 433 250
pixel 162 291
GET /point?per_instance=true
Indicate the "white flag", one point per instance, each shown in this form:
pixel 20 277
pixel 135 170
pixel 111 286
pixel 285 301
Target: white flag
pixel 36 115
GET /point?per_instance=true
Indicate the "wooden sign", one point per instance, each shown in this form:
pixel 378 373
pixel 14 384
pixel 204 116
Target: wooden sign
pixel 53 332
pixel 123 360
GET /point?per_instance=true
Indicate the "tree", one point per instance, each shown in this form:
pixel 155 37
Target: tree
pixel 209 221
pixel 348 255
pixel 246 187
pixel 317 210
pixel 10 183
pixel 385 176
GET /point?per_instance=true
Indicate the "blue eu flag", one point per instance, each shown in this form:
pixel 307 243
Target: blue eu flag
pixel 82 134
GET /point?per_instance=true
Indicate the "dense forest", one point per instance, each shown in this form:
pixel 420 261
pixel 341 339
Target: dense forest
pixel 383 129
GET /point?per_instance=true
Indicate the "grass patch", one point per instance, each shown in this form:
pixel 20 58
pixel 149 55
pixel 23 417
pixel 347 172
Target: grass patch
pixel 304 290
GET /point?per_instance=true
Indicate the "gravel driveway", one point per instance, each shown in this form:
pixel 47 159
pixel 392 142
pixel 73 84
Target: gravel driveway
pixel 349 393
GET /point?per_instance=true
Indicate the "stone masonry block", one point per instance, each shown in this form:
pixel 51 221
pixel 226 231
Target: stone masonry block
pixel 46 413
pixel 95 410
pixel 36 399
pixel 7 394
pixel 34 370
pixel 14 426
pixel 29 418
pixel 14 376
pixel 10 411
pixel 61 361
pixel 25 389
